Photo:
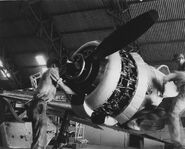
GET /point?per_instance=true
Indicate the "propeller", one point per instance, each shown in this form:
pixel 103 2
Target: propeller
pixel 126 34
pixel 117 40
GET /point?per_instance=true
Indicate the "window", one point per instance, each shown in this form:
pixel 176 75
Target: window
pixel 4 72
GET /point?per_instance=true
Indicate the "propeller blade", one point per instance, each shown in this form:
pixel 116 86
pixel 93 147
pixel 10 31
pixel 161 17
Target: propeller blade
pixel 126 34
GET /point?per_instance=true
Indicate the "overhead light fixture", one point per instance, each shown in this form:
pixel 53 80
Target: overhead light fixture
pixel 5 73
pixel 40 59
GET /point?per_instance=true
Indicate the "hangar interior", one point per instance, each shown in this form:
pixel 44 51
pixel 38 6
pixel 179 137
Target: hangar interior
pixel 45 28
pixel 31 28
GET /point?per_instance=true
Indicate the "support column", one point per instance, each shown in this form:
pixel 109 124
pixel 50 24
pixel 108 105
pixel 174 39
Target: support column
pixel 136 141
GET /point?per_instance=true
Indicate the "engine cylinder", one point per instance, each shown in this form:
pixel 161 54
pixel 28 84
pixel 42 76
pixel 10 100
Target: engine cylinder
pixel 122 93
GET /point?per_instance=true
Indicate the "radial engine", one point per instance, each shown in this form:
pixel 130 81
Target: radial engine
pixel 115 86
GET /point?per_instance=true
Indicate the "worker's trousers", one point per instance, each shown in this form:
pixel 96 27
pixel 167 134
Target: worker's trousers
pixel 174 123
pixel 37 114
pixel 175 106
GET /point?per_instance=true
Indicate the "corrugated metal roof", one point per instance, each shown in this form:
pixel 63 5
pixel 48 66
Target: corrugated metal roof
pixel 63 6
pixel 164 32
pixel 161 52
pixel 165 37
pixel 27 44
pixel 83 21
pixel 82 38
pixel 10 9
pixel 20 27
pixel 167 9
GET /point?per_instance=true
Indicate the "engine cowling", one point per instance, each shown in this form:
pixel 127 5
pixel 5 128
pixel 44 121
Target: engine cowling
pixel 119 84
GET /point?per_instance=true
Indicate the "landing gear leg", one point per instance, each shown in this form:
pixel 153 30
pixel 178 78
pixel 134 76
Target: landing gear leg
pixel 62 138
pixel 98 117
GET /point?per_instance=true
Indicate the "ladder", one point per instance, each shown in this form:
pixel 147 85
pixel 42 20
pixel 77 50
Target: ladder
pixel 79 133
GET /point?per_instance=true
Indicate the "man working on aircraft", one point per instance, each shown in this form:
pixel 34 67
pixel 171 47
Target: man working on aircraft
pixel 177 106
pixel 44 93
pixel 171 108
pixel 180 60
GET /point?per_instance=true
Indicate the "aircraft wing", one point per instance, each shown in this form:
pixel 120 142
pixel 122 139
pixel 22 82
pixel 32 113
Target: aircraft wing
pixel 57 108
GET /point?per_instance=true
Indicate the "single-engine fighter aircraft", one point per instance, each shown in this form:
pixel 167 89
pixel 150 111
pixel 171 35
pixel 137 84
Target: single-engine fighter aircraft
pixel 115 82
